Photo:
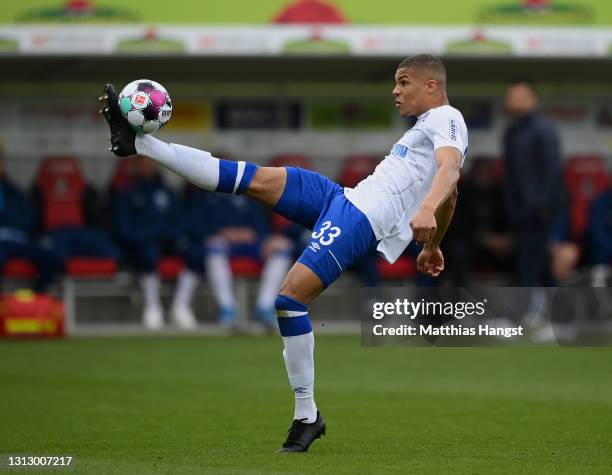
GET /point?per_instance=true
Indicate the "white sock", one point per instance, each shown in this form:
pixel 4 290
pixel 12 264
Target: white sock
pixel 274 272
pixel 299 361
pixel 149 284
pixel 599 275
pixel 185 288
pixel 198 166
pixel 220 277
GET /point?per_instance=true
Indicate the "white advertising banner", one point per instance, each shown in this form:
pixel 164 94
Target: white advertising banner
pixel 306 40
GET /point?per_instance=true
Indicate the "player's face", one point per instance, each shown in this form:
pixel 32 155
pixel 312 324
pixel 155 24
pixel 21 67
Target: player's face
pixel 410 91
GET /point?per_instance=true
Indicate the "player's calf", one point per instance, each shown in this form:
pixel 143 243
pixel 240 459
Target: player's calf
pixel 296 330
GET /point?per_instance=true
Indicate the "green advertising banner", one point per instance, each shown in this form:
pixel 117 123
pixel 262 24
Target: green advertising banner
pixel 391 12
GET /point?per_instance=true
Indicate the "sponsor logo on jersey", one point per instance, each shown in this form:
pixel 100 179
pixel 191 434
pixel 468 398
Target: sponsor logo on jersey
pixel 399 150
pixel 452 129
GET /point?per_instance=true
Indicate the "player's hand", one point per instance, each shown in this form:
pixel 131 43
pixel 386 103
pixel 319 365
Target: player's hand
pixel 239 235
pixel 423 226
pixel 430 261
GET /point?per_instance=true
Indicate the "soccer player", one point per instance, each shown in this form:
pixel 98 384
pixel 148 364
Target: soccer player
pixel 410 196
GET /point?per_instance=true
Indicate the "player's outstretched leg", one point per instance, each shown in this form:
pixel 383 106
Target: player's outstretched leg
pixel 264 184
pixel 300 287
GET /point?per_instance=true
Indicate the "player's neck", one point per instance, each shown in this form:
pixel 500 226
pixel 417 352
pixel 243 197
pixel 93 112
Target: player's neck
pixel 434 102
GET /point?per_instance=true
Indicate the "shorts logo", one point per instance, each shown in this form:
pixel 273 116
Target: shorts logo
pixel 452 130
pixel 314 247
pixel 399 150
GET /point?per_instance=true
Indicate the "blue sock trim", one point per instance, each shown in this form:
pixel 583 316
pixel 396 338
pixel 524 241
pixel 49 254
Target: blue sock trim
pixel 283 302
pixel 227 176
pixel 249 172
pixel 292 326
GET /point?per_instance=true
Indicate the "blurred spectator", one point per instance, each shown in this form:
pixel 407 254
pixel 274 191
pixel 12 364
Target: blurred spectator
pixel 70 213
pixel 16 224
pixel 599 238
pixel 146 222
pixel 532 183
pixel 478 237
pixel 220 227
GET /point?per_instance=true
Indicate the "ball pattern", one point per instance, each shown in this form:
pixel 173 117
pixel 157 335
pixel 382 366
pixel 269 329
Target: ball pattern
pixel 146 105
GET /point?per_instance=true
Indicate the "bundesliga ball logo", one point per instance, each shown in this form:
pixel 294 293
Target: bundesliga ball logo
pixel 146 105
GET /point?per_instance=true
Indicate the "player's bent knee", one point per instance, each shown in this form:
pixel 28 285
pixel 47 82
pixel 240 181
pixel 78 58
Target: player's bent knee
pixel 267 185
pixel 292 316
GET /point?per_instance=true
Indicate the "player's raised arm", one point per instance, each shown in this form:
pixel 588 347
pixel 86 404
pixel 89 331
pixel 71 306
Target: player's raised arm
pixel 432 220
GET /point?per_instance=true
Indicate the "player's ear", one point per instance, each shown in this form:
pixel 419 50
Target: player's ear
pixel 431 85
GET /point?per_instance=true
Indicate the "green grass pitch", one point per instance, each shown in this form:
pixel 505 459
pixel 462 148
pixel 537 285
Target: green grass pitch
pixel 222 405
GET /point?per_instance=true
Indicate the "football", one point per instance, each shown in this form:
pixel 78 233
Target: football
pixel 146 105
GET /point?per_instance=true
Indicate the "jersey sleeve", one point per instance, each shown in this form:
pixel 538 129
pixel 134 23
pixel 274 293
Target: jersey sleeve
pixel 446 129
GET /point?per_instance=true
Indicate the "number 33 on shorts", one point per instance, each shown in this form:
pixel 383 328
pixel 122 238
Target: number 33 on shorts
pixel 327 233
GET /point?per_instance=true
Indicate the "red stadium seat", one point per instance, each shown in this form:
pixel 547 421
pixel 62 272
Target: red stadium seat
pixel 403 268
pixel 91 267
pixel 499 168
pixel 124 170
pixel 19 268
pixel 586 177
pixel 170 267
pixel 245 267
pixel 62 185
pixel 356 168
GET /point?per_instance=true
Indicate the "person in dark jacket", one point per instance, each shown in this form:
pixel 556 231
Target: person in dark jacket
pixel 219 227
pixel 16 225
pixel 533 182
pixel 146 222
pixel 478 238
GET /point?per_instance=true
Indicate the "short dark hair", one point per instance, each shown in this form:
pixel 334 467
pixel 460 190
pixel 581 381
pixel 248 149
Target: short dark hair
pixel 426 62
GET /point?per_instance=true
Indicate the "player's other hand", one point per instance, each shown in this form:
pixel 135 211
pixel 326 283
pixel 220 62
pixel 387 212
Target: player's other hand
pixel 423 226
pixel 430 261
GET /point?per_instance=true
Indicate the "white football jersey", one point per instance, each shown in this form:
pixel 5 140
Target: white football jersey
pixel 392 195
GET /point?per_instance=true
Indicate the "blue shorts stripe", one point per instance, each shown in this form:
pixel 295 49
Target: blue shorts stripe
pixel 227 176
pixel 249 172
pixel 294 326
